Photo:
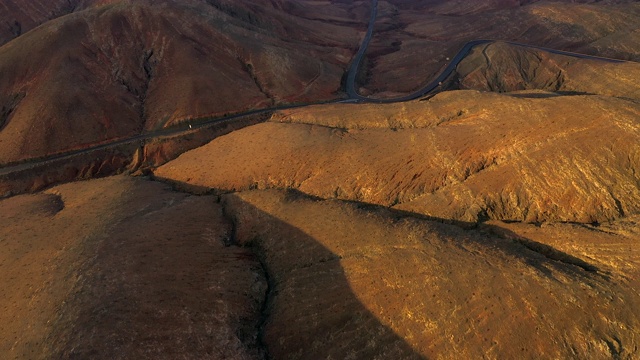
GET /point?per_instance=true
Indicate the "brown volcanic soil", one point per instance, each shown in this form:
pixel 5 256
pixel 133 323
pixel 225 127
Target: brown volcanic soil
pixel 462 155
pixel 127 268
pixel 124 268
pixel 386 286
pixel 116 70
pixel 412 40
pixel 501 67
pixel 20 16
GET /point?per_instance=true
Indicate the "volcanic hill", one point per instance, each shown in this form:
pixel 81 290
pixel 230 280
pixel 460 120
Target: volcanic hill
pixel 120 69
pixel 240 202
pixel 429 33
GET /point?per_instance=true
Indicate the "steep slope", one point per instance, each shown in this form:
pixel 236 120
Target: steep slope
pixel 414 40
pixel 385 286
pixel 462 155
pixel 119 69
pixel 124 268
pixel 501 67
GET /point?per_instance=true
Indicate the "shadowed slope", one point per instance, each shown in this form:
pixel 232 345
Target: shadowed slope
pixel 448 293
pixel 116 70
pixel 414 40
pixel 124 268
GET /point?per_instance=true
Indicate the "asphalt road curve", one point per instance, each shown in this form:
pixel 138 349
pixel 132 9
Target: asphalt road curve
pixel 352 93
pixel 351 85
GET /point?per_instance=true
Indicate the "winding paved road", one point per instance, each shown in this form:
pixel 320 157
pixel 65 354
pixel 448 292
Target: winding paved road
pixel 181 129
pixel 351 85
pixel 351 90
pixel 357 60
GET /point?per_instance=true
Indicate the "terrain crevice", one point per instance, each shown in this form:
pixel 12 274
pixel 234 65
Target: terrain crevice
pixel 148 69
pixel 553 254
pixel 265 303
pixel 278 220
pixel 248 68
pixel 299 266
pixel 264 307
pixel 496 217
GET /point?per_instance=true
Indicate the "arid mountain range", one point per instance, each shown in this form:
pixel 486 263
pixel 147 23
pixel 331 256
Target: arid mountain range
pixel 115 70
pixel 429 32
pixel 239 202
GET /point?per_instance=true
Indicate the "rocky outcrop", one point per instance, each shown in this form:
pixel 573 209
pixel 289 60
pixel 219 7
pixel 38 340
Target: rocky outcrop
pixel 521 157
pixel 385 286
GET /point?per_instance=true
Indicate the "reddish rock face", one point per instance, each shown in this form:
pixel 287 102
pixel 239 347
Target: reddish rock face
pixel 499 220
pixel 414 39
pixel 116 70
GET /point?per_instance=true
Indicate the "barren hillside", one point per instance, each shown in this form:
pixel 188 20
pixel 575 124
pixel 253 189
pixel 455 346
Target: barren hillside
pixel 497 216
pixel 117 70
pixel 414 40
pixel 126 268
pixel 462 155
